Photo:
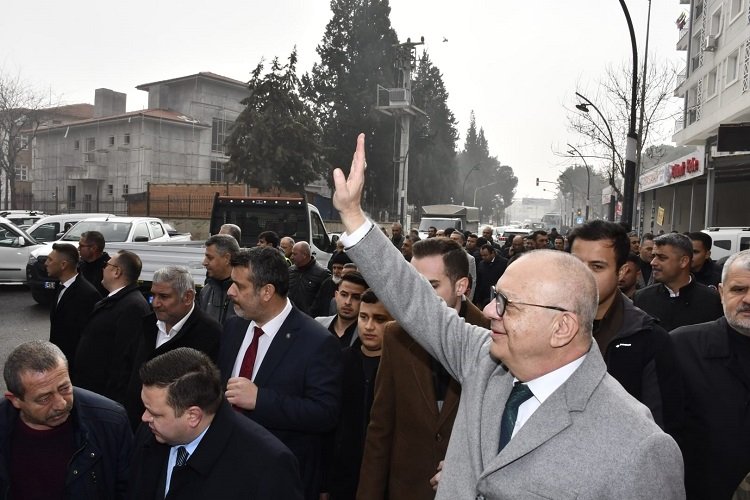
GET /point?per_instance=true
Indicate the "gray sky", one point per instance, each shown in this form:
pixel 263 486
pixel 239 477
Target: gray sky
pixel 516 64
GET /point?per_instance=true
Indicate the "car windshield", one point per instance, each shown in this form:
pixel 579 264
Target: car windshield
pixel 111 230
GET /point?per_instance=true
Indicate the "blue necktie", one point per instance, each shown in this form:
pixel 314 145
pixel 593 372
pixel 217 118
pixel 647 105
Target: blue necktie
pixel 518 395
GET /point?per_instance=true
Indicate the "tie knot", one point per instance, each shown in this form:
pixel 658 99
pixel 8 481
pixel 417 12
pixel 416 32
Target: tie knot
pixel 519 394
pixel 257 332
pixel 182 456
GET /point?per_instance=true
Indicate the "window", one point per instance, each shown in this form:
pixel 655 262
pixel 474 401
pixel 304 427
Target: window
pixel 156 229
pixel 111 140
pixel 87 203
pixel 22 173
pixel 733 67
pixel 141 231
pixel 217 171
pixel 715 28
pixel 110 189
pixel 712 83
pixel 735 9
pixel 125 189
pixel 319 236
pixel 219 133
pixel 77 145
pixel 126 139
pixel 71 196
pixel 46 232
pixel 90 144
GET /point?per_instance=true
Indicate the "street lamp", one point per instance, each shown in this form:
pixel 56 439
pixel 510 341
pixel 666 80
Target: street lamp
pixel 463 190
pixel 482 187
pixel 632 145
pixel 588 178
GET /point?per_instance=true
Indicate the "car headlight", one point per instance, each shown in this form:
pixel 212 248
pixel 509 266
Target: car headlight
pixel 32 260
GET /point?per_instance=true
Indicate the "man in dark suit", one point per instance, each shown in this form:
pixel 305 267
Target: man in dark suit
pixel 104 357
pixel 416 401
pixel 175 322
pixel 282 368
pixel 489 270
pixel 74 301
pixel 195 446
pixel 93 259
pixel 714 358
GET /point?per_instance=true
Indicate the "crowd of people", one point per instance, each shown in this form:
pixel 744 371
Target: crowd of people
pixel 594 365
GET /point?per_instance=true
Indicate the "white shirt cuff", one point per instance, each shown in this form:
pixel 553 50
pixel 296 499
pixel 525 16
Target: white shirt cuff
pixel 349 240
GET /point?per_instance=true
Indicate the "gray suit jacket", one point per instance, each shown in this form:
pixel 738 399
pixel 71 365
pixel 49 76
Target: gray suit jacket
pixel 589 440
pixel 327 320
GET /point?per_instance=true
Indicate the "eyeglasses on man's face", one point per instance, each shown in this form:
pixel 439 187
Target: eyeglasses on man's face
pixel 109 264
pixel 501 303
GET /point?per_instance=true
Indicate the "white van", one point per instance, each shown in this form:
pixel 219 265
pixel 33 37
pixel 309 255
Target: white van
pixel 728 240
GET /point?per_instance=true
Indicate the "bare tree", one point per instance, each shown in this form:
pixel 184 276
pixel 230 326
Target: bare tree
pixel 613 100
pixel 20 116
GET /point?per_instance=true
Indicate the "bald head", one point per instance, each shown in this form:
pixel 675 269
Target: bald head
pixel 301 254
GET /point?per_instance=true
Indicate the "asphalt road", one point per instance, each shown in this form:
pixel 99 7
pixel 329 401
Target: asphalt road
pixel 21 319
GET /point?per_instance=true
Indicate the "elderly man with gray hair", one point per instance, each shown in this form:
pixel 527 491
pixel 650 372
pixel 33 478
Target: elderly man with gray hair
pixel 175 322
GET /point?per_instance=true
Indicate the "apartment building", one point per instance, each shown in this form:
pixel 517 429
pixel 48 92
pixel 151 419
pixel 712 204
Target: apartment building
pixel 95 164
pixel 705 187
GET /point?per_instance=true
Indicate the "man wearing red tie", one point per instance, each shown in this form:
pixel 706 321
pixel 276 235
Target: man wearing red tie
pixel 281 367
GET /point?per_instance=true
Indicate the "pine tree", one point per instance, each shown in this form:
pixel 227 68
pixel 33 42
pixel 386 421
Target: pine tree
pixel 432 146
pixel 275 141
pixel 357 54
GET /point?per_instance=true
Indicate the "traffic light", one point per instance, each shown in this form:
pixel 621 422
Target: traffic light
pixel 537 181
pixel 578 212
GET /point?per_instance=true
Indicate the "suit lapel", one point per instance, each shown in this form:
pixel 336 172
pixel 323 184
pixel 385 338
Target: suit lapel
pixel 278 348
pixel 231 342
pixel 494 396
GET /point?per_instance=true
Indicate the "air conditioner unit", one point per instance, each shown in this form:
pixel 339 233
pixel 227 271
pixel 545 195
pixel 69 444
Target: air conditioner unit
pixel 398 97
pixel 711 42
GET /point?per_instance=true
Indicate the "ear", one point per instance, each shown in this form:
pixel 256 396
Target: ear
pixel 194 416
pixel 13 399
pixel 462 284
pixel 721 292
pixel 189 296
pixel 564 330
pixel 623 270
pixel 685 261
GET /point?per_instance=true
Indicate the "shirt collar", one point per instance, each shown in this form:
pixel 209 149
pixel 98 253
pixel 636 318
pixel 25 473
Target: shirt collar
pixel 177 326
pixel 192 445
pixel 544 386
pixel 70 281
pixel 673 293
pixel 274 324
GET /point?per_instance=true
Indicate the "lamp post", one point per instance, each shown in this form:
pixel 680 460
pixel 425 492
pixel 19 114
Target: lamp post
pixel 632 145
pixel 482 187
pixel 463 190
pixel 588 178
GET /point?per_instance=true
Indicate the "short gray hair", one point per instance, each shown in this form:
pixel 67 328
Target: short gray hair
pixel 36 356
pixel 177 277
pixel 741 259
pixel 224 244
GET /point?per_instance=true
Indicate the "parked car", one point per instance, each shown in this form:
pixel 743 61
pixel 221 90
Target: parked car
pixel 728 240
pixel 504 233
pixel 23 218
pixel 15 248
pixel 52 227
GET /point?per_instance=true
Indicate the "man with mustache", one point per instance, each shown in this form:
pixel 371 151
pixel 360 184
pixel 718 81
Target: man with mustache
pixel 56 440
pixel 714 358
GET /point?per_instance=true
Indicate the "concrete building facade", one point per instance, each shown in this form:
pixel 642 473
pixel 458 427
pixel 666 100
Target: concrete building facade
pixel 95 164
pixel 715 87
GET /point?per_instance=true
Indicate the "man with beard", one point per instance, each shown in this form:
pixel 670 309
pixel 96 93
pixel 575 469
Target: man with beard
pixel 324 302
pixel 56 440
pixel 93 259
pixel 714 358
pixel 281 367
pixel 343 324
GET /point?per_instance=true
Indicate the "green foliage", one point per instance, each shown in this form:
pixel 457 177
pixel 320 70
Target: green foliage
pixel 432 145
pixel 482 174
pixel 357 53
pixel 274 142
pixel 573 182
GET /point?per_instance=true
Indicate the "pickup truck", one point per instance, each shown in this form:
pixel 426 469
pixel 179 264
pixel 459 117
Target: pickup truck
pixel 116 231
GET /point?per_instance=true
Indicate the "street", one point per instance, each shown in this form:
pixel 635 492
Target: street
pixel 22 319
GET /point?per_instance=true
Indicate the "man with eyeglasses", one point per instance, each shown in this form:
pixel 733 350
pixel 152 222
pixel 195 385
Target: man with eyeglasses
pixel 105 353
pixel 539 414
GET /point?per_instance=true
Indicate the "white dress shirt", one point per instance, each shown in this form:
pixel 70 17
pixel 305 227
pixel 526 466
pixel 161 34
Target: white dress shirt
pixel 65 287
pixel 270 329
pixel 163 336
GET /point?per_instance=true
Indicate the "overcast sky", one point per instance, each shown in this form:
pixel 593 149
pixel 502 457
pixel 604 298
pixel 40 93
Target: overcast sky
pixel 515 63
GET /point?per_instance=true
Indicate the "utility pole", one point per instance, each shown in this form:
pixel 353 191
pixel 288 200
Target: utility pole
pixel 397 102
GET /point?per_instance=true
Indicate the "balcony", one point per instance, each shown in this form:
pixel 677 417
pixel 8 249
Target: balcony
pixel 85 173
pixel 682 40
pixel 681 76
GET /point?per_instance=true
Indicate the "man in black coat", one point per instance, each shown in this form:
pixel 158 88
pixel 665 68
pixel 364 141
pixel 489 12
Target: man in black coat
pixel 676 299
pixel 56 440
pixel 704 269
pixel 74 300
pixel 93 259
pixel 104 358
pixel 306 277
pixel 715 360
pixel 281 367
pixel 175 322
pixel 489 270
pixel 196 447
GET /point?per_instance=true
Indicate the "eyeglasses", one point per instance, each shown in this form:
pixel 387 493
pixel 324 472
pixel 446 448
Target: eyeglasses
pixel 501 303
pixel 111 265
pixel 81 245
